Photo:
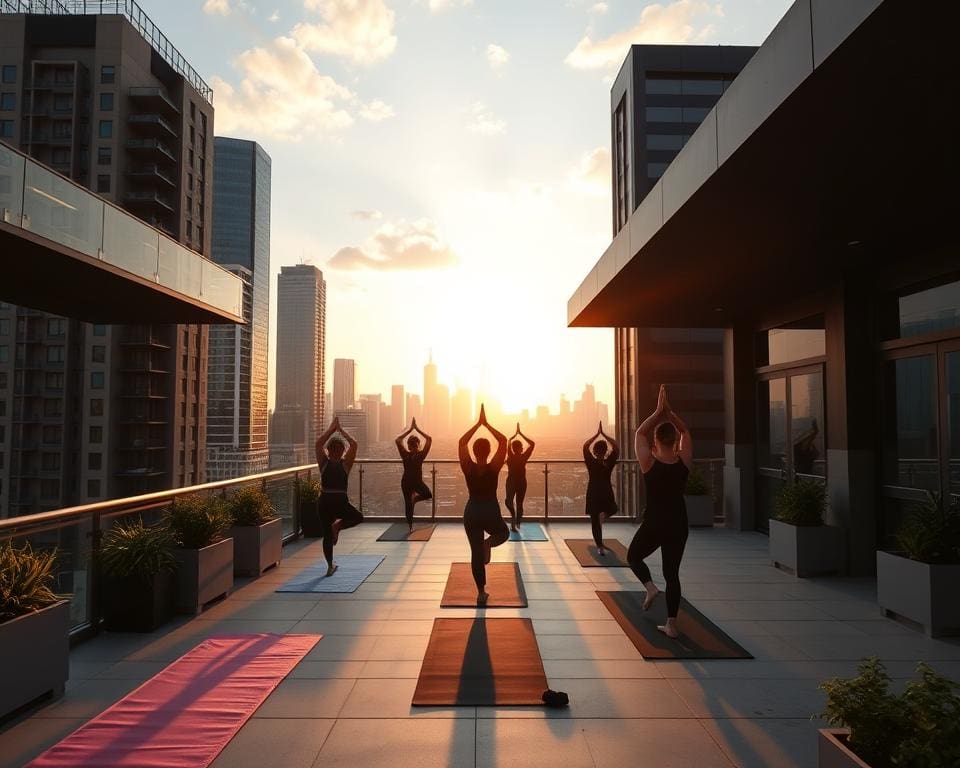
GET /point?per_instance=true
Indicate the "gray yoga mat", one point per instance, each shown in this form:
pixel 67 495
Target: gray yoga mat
pixel 352 571
pixel 529 532
pixel 401 532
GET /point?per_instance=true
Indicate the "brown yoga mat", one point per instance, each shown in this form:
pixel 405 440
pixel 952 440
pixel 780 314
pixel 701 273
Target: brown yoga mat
pixel 481 663
pixel 504 585
pixel 586 553
pixel 401 532
pixel 699 637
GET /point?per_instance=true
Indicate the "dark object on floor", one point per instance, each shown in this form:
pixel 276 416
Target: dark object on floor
pixel 402 532
pixel 556 699
pixel 504 585
pixel 587 555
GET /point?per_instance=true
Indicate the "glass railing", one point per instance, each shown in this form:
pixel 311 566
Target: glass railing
pixel 41 201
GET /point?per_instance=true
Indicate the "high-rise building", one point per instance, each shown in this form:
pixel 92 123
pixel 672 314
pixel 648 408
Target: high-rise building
pixel 398 410
pixel 354 421
pixel 237 367
pixel 301 361
pixel 461 411
pixel 430 410
pixel 105 411
pixel 344 384
pixel 370 405
pixel 414 408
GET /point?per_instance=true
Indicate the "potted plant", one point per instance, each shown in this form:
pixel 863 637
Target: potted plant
pixel 256 530
pixel 799 540
pixel 34 628
pixel 921 581
pixel 137 567
pixel 873 728
pixel 308 492
pixel 204 552
pixel 698 499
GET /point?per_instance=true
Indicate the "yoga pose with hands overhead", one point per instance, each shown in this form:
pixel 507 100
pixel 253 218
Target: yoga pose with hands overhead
pixel 665 452
pixel 336 512
pixel 412 487
pixel 600 454
pixel 517 475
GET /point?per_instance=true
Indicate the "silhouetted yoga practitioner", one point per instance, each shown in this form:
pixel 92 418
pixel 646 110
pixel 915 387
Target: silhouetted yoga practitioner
pixel 665 468
pixel 517 476
pixel 336 511
pixel 482 513
pixel 601 502
pixel 412 487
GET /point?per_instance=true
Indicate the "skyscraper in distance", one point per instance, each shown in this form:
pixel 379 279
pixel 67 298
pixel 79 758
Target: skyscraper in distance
pixel 344 384
pixel 398 410
pixel 370 405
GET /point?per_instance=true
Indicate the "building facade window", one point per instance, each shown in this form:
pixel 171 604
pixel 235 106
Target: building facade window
pixel 929 311
pixel 106 102
pixel 6 129
pixel 99 329
pixel 98 353
pixel 8 74
pixel 96 379
pixel 104 155
pixel 103 183
pixel 107 74
pixel 4 353
pixel 56 326
pixel 52 434
pixel 55 353
pixel 621 161
pixel 106 129
pixel 4 326
pixel 95 435
pixel 96 406
pixel 62 102
pixel 93 488
pixel 53 381
pixel 8 102
pixel 62 129
pixel 94 461
pixel 52 407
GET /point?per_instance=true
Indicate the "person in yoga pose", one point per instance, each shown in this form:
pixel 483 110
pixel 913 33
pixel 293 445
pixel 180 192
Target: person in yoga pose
pixel 482 513
pixel 336 512
pixel 517 476
pixel 665 452
pixel 412 487
pixel 600 459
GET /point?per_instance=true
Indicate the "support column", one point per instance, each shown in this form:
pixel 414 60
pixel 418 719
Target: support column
pixel 740 431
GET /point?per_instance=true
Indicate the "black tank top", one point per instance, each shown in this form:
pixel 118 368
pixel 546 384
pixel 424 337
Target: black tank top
pixel 516 466
pixel 333 476
pixel 665 484
pixel 412 465
pixel 482 482
pixel 599 472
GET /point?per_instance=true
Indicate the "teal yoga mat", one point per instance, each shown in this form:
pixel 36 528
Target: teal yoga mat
pixel 529 532
pixel 353 570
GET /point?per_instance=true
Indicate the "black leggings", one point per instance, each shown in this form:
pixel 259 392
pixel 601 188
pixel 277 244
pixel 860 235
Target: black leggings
pixel 479 517
pixel 409 488
pixel 335 506
pixel 671 539
pixel 516 492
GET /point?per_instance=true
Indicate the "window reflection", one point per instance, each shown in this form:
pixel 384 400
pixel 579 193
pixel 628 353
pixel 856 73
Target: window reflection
pixel 773 423
pixel 910 455
pixel 953 418
pixel 936 309
pixel 806 424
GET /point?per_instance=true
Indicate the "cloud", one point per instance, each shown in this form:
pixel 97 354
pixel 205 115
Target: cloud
pixel 497 56
pixel 368 214
pixel 217 7
pixel 599 8
pixel 441 5
pixel 360 31
pixel 484 122
pixel 681 21
pixel 398 246
pixel 376 111
pixel 591 174
pixel 275 16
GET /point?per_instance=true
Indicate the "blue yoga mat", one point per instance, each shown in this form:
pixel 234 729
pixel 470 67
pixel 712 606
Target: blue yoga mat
pixel 529 532
pixel 351 573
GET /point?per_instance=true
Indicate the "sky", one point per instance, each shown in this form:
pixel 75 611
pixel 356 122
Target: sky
pixel 445 163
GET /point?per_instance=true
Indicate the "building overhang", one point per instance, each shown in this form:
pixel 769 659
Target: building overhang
pixel 830 154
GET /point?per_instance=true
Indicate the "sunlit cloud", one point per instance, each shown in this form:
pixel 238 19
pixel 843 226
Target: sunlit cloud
pixel 599 8
pixel 591 174
pixel 369 214
pixel 376 111
pixel 217 7
pixel 398 246
pixel 682 21
pixel 485 122
pixel 274 17
pixel 441 5
pixel 360 31
pixel 497 56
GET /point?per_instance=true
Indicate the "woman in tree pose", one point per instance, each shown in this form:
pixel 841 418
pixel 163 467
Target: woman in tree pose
pixel 665 452
pixel 336 511
pixel 517 476
pixel 482 513
pixel 412 487
pixel 600 459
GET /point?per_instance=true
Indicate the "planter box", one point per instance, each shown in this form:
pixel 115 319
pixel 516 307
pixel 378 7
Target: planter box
pixel 833 752
pixel 310 520
pixel 921 592
pixel 34 656
pixel 203 575
pixel 699 511
pixel 256 547
pixel 131 605
pixel 808 550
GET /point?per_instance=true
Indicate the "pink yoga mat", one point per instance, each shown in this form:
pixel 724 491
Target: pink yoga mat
pixel 184 716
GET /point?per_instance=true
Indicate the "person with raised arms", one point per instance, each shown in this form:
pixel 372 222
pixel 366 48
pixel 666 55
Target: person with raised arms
pixel 336 512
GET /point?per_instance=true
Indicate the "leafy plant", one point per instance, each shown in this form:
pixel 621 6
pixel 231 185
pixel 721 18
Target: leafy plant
pixel 800 503
pixel 250 507
pixel 696 484
pixel 932 532
pixel 309 490
pixel 137 551
pixel 918 729
pixel 198 521
pixel 26 580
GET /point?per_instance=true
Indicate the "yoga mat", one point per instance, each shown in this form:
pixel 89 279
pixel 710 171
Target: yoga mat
pixel 401 532
pixel 504 585
pixel 699 637
pixel 586 553
pixel 529 532
pixel 481 663
pixel 351 573
pixel 184 716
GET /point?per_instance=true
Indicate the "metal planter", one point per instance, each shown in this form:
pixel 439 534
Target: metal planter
pixel 34 656
pixel 256 547
pixel 699 511
pixel 833 752
pixel 203 575
pixel 925 593
pixel 808 550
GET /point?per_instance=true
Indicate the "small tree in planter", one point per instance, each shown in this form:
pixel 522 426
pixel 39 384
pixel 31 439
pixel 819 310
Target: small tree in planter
pixel 257 532
pixel 799 539
pixel 204 553
pixel 698 499
pixel 922 580
pixel 34 628
pixel 137 567
pixel 308 491
pixel 873 727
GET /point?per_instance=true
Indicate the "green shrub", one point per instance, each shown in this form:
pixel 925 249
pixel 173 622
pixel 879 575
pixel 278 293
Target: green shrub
pixel 918 729
pixel 26 580
pixel 309 490
pixel 198 521
pixel 250 507
pixel 696 484
pixel 800 503
pixel 932 532
pixel 137 551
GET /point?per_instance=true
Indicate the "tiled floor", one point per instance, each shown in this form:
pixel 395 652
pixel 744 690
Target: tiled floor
pixel 348 702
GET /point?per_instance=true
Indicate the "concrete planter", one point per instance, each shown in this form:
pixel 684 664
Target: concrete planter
pixel 808 550
pixel 699 511
pixel 922 592
pixel 833 752
pixel 310 520
pixel 203 575
pixel 132 605
pixel 256 547
pixel 34 656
